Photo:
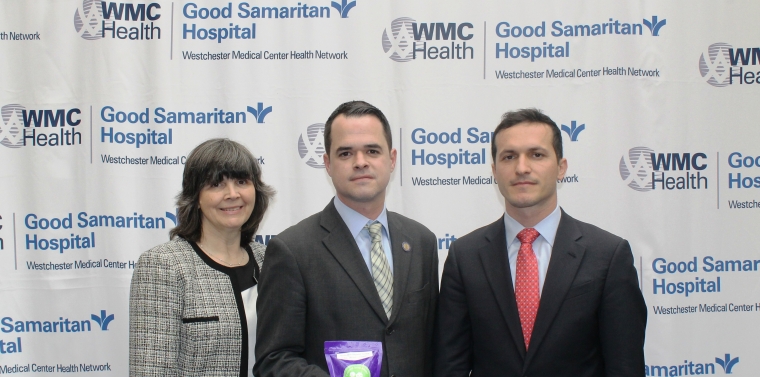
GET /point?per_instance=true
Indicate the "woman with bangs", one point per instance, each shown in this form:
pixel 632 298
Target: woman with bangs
pixel 192 304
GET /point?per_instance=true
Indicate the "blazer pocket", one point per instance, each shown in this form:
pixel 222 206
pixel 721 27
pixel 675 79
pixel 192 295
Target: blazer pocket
pixel 199 340
pixel 580 289
pixel 201 319
pixel 418 295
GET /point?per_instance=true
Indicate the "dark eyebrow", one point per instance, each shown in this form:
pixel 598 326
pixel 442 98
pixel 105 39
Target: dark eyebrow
pixel 366 146
pixel 530 150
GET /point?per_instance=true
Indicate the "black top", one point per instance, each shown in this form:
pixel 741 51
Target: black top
pixel 247 275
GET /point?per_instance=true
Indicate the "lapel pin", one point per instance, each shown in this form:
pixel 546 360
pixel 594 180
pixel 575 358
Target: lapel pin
pixel 405 245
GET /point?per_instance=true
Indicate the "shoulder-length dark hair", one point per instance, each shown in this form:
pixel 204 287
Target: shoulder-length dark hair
pixel 209 163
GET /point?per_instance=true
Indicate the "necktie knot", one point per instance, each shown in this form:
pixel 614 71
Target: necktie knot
pixel 374 228
pixel 527 235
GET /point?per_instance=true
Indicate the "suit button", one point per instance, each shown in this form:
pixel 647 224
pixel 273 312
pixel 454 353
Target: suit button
pixel 389 332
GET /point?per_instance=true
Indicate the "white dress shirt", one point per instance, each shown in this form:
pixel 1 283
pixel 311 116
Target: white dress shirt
pixel 542 246
pixel 355 222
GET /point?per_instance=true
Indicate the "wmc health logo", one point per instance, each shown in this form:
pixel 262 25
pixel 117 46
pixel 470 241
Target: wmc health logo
pixel 406 40
pixel 644 170
pixel 88 19
pixel 100 19
pixel 724 65
pixel 39 127
pixel 311 145
pixel 10 131
pixel 636 168
pixel 398 41
pixel 715 64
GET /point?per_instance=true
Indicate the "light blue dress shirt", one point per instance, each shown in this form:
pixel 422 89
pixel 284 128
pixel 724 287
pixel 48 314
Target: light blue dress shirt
pixel 355 222
pixel 542 246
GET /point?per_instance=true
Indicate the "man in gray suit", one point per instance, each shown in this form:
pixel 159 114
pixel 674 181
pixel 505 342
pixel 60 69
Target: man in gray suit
pixel 352 272
pixel 537 292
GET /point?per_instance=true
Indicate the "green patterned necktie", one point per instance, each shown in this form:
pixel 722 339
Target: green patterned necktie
pixel 381 270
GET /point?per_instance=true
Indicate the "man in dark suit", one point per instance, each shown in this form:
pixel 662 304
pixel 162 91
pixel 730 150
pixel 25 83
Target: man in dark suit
pixel 352 272
pixel 538 293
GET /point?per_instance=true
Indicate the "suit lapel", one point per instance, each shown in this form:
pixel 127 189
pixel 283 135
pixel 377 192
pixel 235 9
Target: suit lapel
pixel 496 267
pixel 565 260
pixel 343 247
pixel 401 263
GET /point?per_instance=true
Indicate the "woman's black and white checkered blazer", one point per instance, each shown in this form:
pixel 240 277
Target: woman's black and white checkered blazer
pixel 185 317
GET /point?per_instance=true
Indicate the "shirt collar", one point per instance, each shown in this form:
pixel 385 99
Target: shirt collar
pixel 355 221
pixel 546 227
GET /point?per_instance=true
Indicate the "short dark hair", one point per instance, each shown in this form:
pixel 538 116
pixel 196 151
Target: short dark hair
pixel 356 109
pixel 530 115
pixel 209 163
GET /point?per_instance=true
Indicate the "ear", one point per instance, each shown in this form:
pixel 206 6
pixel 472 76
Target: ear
pixel 326 159
pixel 493 171
pixel 393 159
pixel 562 168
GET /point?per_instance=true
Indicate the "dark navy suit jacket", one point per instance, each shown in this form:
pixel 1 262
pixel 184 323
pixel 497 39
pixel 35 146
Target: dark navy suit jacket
pixel 591 318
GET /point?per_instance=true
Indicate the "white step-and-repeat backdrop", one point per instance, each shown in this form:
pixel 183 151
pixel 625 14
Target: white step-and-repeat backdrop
pixel 102 100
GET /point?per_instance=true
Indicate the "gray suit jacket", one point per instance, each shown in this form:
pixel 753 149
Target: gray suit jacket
pixel 591 318
pixel 315 287
pixel 185 316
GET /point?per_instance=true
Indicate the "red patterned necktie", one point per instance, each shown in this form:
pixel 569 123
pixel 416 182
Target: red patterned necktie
pixel 526 282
